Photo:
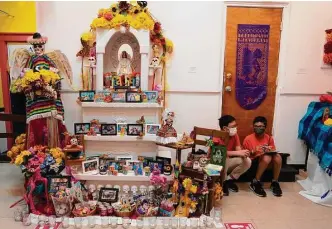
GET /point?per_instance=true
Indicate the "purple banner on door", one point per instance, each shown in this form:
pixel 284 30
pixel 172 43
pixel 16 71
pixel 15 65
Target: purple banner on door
pixel 252 65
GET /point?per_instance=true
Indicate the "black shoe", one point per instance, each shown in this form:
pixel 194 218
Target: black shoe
pixel 275 188
pixel 232 186
pixel 257 188
pixel 225 188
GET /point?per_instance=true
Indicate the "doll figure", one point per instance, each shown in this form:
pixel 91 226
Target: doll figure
pixel 156 69
pixel 167 134
pixel 124 66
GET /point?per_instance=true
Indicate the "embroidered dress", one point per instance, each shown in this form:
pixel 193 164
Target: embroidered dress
pixel 45 116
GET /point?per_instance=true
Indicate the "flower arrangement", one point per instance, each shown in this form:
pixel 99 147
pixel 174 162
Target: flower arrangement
pixel 328 47
pixel 50 161
pixel 40 83
pixel 17 147
pixel 135 15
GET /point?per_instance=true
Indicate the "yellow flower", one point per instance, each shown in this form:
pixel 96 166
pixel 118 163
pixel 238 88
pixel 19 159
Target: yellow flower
pixel 169 46
pixel 88 37
pixel 19 160
pixel 25 153
pixel 58 160
pixel 193 189
pixel 99 23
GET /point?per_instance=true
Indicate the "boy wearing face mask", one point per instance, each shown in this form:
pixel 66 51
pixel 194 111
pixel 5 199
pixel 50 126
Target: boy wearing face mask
pixel 238 161
pixel 259 144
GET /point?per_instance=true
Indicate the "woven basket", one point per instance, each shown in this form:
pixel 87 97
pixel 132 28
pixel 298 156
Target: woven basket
pixel 76 214
pixel 155 211
pixel 124 214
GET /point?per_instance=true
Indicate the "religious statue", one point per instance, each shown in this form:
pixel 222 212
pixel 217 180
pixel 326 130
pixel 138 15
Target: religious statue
pixel 41 83
pixel 155 69
pixel 124 66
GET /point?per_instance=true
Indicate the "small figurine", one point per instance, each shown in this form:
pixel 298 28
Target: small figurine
pixel 196 165
pixel 147 171
pixel 102 169
pixel 134 189
pixel 156 69
pixel 218 192
pixel 186 140
pixel 91 132
pixel 126 189
pixel 168 170
pixel 167 134
pixel 92 195
pixel 142 189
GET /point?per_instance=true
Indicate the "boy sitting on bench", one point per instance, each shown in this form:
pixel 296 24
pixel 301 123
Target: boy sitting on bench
pixel 263 155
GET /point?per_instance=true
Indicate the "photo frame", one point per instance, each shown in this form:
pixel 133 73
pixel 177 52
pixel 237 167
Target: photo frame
pixel 95 125
pixel 119 96
pixel 108 129
pixel 107 161
pixel 158 164
pixel 151 129
pixel 166 160
pixel 145 160
pixel 119 126
pixel 57 183
pixel 109 195
pixel 150 96
pixel 91 166
pixel 87 96
pixel 135 129
pixel 101 95
pixel 81 128
pixel 133 97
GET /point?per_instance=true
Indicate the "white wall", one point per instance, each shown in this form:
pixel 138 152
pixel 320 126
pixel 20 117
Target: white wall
pixel 196 30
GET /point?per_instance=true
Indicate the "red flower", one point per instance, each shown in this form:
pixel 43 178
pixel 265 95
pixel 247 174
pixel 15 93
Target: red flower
pixel 108 16
pixel 157 27
pixel 163 41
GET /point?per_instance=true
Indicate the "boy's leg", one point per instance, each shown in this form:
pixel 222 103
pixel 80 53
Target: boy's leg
pixel 235 167
pixel 263 163
pixel 275 187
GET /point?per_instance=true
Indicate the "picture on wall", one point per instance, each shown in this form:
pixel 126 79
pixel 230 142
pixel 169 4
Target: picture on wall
pixel 156 165
pixel 58 183
pixel 90 166
pixel 81 128
pixel 108 129
pixel 151 129
pixel 133 97
pixel 150 96
pixel 135 129
pixel 109 195
pixel 87 96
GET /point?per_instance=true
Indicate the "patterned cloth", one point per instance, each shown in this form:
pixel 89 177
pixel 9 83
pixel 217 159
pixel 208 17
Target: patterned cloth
pixel 317 135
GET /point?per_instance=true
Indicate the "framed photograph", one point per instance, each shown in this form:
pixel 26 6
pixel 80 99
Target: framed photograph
pixel 124 158
pixel 109 195
pixel 87 96
pixel 82 128
pixel 145 160
pixel 150 97
pixel 106 161
pixel 151 129
pixel 101 95
pixel 95 125
pixel 121 127
pixel 133 97
pixel 156 165
pixel 58 183
pixel 108 129
pixel 118 97
pixel 90 166
pixel 134 129
pixel 166 160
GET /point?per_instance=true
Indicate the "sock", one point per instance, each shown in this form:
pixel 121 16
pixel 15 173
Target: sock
pixel 255 180
pixel 275 181
pixel 230 177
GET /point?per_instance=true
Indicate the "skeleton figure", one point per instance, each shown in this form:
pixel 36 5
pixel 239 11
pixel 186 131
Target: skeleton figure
pixel 217 157
pixel 142 189
pixel 134 189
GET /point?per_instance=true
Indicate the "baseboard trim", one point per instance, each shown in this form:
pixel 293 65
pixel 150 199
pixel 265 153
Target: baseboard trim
pixel 298 166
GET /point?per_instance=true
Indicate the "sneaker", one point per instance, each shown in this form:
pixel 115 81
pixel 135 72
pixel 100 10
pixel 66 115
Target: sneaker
pixel 232 186
pixel 275 188
pixel 257 188
pixel 225 188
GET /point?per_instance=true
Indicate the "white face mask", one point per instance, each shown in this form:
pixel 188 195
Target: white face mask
pixel 232 131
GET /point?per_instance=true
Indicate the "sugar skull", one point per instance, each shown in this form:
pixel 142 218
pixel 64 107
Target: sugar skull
pixel 142 189
pixel 168 170
pixel 203 161
pixel 125 188
pixel 155 62
pixel 134 189
pixel 102 169
pixel 74 141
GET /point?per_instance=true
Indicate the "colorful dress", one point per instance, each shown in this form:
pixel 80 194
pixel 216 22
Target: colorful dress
pixel 45 116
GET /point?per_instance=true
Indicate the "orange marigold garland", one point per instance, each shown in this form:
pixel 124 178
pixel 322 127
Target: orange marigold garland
pixel 328 47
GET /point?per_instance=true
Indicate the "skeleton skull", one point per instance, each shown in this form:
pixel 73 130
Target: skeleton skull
pixel 125 188
pixel 100 186
pixel 155 62
pixel 92 60
pixel 134 189
pixel 150 188
pixel 38 49
pixel 74 141
pixel 108 186
pixel 92 188
pixel 142 189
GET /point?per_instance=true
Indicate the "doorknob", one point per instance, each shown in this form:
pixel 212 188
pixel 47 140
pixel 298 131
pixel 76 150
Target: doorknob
pixel 228 76
pixel 228 88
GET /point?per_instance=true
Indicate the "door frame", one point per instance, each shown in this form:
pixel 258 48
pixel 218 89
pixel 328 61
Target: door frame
pixel 282 49
pixel 4 39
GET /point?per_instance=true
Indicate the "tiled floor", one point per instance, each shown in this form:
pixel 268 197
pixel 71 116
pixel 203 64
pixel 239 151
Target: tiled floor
pixel 291 211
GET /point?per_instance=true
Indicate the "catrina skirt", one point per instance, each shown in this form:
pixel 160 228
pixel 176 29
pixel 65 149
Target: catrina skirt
pixel 47 131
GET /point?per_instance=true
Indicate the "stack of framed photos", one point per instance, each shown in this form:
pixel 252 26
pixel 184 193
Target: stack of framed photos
pixel 119 96
pixel 112 129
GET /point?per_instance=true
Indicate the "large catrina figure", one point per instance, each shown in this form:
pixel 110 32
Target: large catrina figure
pixel 41 82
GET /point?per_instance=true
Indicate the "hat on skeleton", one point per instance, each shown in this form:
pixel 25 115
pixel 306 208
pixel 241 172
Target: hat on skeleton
pixel 37 39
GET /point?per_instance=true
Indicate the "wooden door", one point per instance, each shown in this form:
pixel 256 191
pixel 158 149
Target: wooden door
pixel 247 16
